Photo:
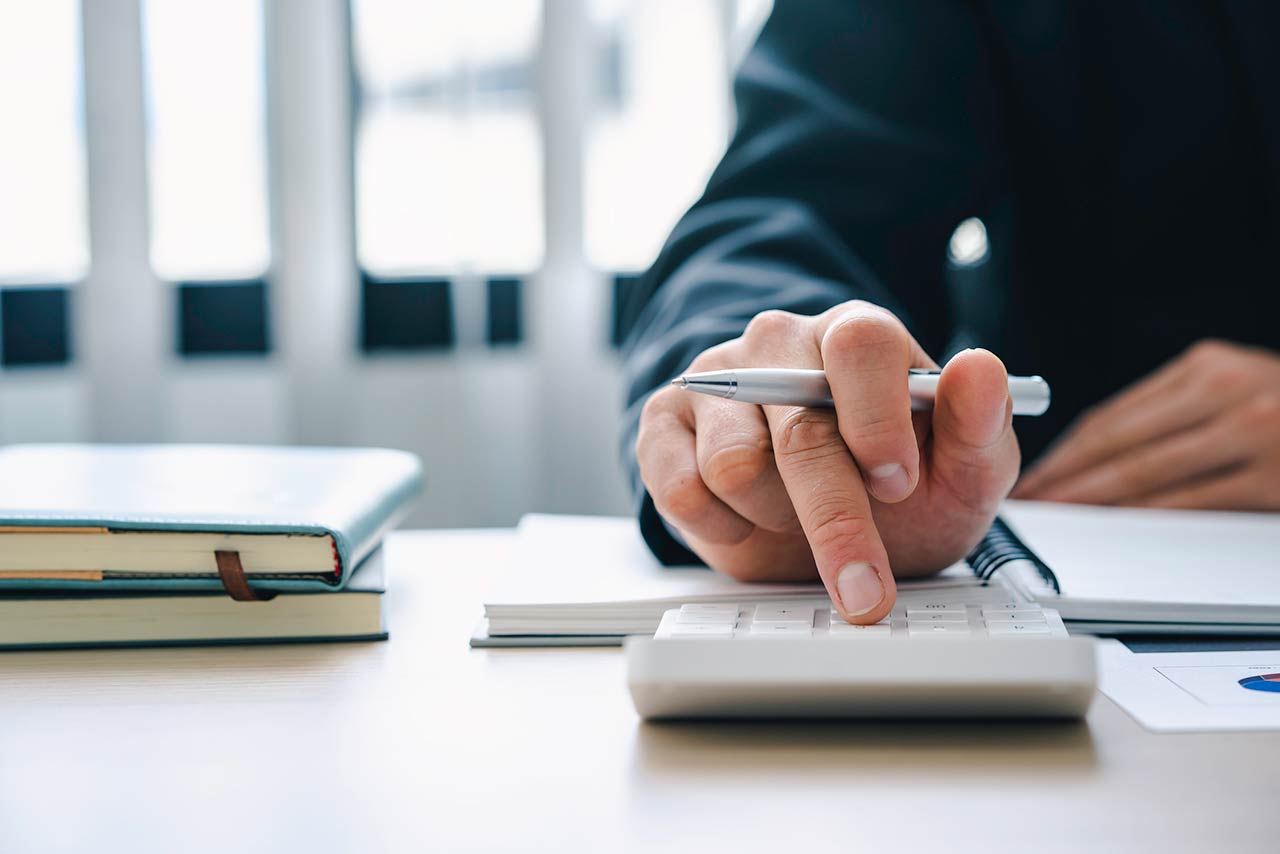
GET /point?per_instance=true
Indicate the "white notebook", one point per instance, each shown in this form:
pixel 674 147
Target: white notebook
pixel 1195 570
pixel 590 579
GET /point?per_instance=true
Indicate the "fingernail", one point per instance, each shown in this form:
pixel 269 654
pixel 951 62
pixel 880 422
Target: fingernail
pixel 860 589
pixel 890 482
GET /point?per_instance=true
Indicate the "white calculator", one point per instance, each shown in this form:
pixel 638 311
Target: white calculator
pixel 975 653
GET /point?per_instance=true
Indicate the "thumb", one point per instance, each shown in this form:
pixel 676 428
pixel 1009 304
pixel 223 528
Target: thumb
pixel 973 452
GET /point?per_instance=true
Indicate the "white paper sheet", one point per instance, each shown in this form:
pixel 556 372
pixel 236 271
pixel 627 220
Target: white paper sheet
pixel 596 561
pixel 1193 691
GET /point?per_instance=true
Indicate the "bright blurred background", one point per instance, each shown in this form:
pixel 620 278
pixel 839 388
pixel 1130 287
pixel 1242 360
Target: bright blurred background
pixel 406 223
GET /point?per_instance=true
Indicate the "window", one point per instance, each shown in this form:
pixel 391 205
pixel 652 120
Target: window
pixel 206 149
pixel 659 122
pixel 206 144
pixel 43 224
pixel 206 158
pixel 448 167
pixel 448 158
pixel 661 117
pixel 43 233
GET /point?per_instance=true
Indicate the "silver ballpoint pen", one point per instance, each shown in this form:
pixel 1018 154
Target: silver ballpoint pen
pixel 788 387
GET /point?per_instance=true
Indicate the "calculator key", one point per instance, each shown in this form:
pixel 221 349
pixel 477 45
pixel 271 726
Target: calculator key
pixel 780 630
pixel 701 630
pixel 935 608
pixel 1008 606
pixel 937 630
pixel 708 613
pixel 838 619
pixel 914 615
pixel 1012 629
pixel 844 630
pixel 784 613
pixel 1021 615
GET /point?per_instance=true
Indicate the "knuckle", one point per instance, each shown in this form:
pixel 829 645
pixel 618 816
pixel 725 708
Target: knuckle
pixel 652 446
pixel 876 428
pixel 654 416
pixel 1264 410
pixel 683 499
pixel 644 444
pixel 878 438
pixel 646 438
pixel 704 361
pixel 832 527
pixel 1228 375
pixel 803 433
pixel 1220 365
pixel 1209 350
pixel 660 403
pixel 710 359
pixel 772 324
pixel 735 469
pixel 866 330
pixel 853 306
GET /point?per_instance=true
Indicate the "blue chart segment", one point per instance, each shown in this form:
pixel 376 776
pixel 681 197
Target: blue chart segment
pixel 1264 682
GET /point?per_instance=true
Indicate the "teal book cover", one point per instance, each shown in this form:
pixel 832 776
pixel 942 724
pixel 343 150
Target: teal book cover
pixel 81 508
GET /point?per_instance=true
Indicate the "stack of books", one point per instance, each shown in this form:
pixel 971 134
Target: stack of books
pixel 121 545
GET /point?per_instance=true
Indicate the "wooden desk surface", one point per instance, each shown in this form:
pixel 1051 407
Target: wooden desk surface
pixel 424 744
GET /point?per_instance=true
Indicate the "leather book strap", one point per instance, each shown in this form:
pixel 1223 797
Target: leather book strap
pixel 231 572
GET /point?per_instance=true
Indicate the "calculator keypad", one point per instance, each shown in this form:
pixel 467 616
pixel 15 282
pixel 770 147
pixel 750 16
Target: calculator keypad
pixel 916 619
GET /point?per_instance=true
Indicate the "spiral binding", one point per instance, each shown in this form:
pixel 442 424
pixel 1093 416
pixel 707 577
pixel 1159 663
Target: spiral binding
pixel 1001 546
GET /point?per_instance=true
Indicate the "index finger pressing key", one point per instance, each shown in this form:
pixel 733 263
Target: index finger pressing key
pixel 826 488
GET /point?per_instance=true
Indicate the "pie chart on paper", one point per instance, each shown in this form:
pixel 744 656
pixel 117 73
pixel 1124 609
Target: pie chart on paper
pixel 1262 682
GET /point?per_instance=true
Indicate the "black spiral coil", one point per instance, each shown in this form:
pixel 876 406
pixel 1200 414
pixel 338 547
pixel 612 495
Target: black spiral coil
pixel 1000 546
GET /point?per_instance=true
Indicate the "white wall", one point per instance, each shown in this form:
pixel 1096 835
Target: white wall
pixel 490 449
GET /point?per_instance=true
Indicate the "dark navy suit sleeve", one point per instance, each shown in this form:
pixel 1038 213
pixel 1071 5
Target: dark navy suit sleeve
pixel 866 132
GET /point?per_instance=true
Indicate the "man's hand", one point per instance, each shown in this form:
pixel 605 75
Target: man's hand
pixel 1201 432
pixel 773 492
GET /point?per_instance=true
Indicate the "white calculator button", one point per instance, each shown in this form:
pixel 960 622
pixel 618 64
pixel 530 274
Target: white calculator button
pixel 836 618
pixel 1008 606
pixel 844 630
pixel 935 607
pixel 937 630
pixel 708 614
pixel 780 630
pixel 702 630
pixel 915 614
pixel 784 613
pixel 1010 629
pixel 1022 615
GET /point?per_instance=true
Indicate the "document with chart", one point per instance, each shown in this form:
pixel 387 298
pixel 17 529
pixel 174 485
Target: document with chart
pixel 1189 691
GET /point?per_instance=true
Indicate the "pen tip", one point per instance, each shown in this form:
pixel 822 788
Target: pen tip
pixel 680 382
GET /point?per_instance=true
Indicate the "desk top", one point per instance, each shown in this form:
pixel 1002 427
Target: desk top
pixel 422 743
